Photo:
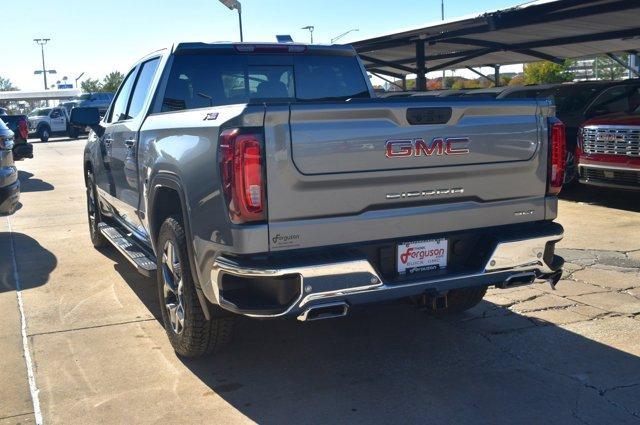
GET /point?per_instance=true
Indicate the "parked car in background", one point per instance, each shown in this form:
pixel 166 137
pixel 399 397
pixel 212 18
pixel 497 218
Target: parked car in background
pixel 488 93
pixel 288 189
pixel 533 91
pixel 581 101
pixel 19 125
pixel 9 183
pixel 441 93
pixel 608 152
pixel 47 122
pixel 93 100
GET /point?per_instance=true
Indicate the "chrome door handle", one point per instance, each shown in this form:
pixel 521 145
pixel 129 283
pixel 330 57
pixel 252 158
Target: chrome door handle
pixel 108 142
pixel 130 143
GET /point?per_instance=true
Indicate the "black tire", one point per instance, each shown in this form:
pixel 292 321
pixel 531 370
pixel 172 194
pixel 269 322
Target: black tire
pixel 93 213
pixel 194 336
pixel 459 300
pixel 73 132
pixel 44 132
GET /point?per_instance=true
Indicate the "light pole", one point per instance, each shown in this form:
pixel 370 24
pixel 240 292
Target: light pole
pixel 235 4
pixel 41 42
pixel 338 37
pixel 77 78
pixel 310 28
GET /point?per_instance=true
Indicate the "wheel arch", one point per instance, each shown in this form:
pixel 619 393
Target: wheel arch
pixel 163 189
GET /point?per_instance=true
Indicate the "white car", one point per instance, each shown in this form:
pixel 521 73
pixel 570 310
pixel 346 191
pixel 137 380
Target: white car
pixel 45 122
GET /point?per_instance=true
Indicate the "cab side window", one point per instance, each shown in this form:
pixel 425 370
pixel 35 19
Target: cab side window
pixel 119 109
pixel 55 113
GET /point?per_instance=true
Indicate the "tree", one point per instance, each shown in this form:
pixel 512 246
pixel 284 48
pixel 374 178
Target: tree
pixel 434 84
pixel 7 85
pixel 111 82
pixel 518 80
pixel 608 69
pixel 546 72
pixel 91 86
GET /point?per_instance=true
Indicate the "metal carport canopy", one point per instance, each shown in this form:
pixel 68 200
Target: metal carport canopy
pixel 545 29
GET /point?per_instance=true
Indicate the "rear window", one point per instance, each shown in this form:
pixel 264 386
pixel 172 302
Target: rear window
pixel 203 80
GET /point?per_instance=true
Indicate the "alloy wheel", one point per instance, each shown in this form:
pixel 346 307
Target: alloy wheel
pixel 173 287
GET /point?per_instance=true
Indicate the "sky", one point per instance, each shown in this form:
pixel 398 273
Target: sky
pixel 97 37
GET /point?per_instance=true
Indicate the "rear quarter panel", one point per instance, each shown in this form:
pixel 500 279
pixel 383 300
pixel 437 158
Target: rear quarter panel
pixel 183 146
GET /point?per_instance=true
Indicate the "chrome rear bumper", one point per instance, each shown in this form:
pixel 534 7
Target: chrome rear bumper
pixel 355 281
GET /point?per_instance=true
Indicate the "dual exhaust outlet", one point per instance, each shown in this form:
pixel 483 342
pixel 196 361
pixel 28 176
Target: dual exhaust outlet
pixel 341 309
pixel 324 311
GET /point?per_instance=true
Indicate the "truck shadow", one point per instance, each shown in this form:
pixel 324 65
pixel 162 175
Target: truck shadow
pixel 392 364
pixel 609 198
pixel 35 265
pixel 143 287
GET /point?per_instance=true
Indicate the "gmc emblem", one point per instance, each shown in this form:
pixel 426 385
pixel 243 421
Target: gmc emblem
pixel 418 147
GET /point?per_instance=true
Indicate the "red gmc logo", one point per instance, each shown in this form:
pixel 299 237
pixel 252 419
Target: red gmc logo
pixel 418 147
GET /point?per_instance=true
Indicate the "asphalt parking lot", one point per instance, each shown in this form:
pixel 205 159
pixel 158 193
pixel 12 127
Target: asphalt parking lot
pixel 99 354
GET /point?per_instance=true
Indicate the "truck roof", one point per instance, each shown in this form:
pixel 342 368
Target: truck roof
pixel 264 47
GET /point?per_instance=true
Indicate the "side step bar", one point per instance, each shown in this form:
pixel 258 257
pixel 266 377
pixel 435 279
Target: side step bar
pixel 143 262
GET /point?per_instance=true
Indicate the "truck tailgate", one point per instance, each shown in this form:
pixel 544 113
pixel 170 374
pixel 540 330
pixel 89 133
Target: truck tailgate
pixel 348 172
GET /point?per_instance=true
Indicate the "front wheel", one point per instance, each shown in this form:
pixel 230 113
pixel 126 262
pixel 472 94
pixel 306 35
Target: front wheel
pixel 44 132
pixel 189 332
pixel 93 213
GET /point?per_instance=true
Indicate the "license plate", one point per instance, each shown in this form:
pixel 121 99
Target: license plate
pixel 422 256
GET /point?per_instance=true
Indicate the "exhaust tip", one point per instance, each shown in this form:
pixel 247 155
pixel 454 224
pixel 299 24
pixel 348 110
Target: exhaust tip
pixel 517 280
pixel 324 311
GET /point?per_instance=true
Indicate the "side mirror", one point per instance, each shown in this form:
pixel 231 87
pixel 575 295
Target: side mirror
pixel 86 117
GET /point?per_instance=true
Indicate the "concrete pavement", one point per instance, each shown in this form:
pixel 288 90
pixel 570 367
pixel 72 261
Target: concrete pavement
pixel 525 355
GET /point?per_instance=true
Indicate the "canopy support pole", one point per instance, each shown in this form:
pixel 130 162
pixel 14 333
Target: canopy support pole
pixel 623 64
pixel 421 65
pixel 475 71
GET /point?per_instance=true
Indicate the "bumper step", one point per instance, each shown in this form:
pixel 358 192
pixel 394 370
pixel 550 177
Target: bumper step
pixel 143 261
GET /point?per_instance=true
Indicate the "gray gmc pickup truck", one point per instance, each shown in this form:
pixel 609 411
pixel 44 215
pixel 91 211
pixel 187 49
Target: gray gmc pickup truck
pixel 268 181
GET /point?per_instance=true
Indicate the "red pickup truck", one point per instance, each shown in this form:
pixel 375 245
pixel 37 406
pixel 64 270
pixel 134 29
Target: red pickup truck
pixel 608 151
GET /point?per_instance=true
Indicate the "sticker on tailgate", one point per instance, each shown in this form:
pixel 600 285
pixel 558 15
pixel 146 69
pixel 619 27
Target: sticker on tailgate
pixel 422 256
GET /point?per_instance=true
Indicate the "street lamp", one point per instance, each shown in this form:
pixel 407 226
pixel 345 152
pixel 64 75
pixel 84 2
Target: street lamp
pixel 77 78
pixel 338 37
pixel 41 42
pixel 310 28
pixel 235 4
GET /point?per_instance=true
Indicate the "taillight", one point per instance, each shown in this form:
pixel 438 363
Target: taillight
pixel 23 129
pixel 557 157
pixel 241 169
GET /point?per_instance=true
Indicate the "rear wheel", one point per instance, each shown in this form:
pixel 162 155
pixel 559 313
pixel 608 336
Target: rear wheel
pixel 93 213
pixel 73 132
pixel 459 300
pixel 189 332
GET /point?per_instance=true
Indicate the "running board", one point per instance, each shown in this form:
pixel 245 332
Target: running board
pixel 144 263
